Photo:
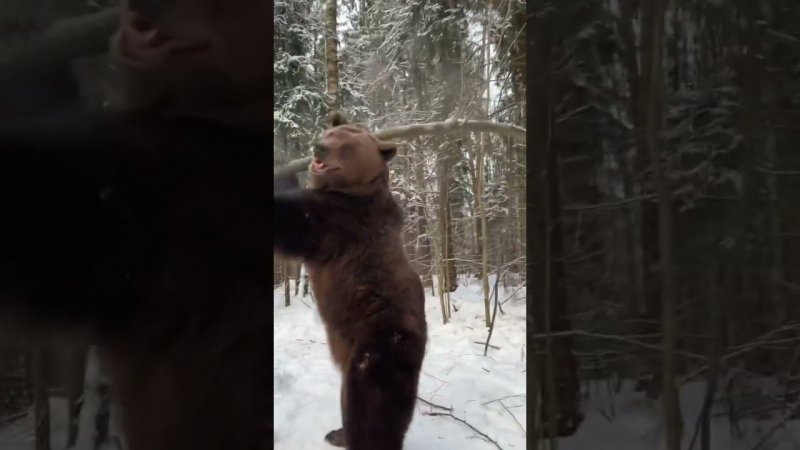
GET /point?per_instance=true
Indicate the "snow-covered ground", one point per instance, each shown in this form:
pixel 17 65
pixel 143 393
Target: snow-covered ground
pixel 18 435
pixel 488 392
pixel 630 421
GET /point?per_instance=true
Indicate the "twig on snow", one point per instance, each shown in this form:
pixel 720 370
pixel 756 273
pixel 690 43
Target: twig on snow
pixel 765 438
pixel 484 343
pixel 503 398
pixel 307 306
pixel 433 404
pixel 483 435
pixel 512 415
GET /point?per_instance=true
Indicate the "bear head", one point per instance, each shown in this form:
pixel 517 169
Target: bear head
pixel 348 158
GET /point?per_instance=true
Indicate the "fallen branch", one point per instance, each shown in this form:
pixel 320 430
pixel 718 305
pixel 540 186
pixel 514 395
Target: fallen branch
pixel 433 404
pixel 12 417
pixel 765 438
pixel 485 344
pixel 503 398
pixel 307 306
pixel 512 416
pixel 423 129
pixel 450 126
pixel 483 435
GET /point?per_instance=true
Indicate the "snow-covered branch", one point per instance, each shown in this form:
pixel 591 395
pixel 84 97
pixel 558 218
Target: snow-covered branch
pixel 450 126
pixel 66 39
pixel 425 129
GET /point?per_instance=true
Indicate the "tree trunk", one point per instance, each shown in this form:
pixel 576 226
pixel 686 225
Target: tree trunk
pixel 480 177
pixel 97 426
pixel 643 214
pixel 331 57
pixel 441 277
pixel 422 224
pixel 287 293
pixel 484 246
pixel 554 364
pixel 778 304
pixel 653 14
pixel 41 399
pixel 76 373
pixel 445 224
pixel 296 269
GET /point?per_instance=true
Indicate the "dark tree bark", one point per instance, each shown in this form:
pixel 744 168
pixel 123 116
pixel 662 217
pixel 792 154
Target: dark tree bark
pixel 653 14
pixel 41 399
pixel 555 377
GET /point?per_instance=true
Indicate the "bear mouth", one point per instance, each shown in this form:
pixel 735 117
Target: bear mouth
pixel 319 168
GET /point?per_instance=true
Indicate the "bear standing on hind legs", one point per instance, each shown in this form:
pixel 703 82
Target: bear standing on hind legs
pixel 346 229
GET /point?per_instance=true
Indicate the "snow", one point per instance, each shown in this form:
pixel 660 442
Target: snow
pixel 454 374
pixel 19 435
pixel 629 420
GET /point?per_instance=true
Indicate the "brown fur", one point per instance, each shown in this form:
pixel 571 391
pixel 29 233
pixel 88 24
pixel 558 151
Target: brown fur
pixel 347 230
pixel 201 58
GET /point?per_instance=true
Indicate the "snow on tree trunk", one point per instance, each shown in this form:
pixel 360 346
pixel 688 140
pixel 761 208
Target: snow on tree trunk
pixel 98 420
pixel 331 56
pixel 480 175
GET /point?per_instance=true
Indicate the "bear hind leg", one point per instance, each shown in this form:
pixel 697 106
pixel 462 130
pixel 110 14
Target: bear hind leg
pixel 381 390
pixel 336 437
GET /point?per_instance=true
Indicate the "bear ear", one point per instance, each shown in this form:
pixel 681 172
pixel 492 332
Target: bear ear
pixel 388 150
pixel 337 118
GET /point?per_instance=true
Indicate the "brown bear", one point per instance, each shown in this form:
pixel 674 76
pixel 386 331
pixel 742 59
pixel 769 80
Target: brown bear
pixel 346 229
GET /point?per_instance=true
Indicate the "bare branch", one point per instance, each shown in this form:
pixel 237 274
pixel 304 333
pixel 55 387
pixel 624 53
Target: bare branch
pixel 770 171
pixel 611 337
pixel 742 349
pixel 785 36
pixel 616 204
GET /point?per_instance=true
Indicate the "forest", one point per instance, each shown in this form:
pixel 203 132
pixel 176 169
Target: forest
pixel 664 247
pixel 53 394
pixel 628 220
